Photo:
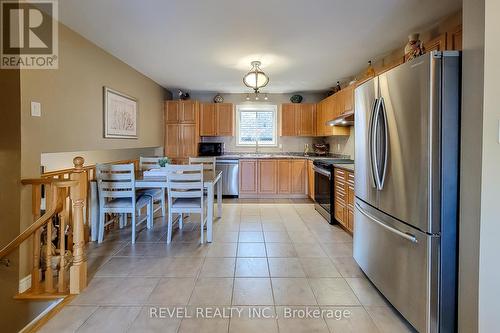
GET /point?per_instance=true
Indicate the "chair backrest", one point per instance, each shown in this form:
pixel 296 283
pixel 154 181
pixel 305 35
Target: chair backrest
pixel 115 181
pixel 148 163
pixel 185 181
pixel 208 162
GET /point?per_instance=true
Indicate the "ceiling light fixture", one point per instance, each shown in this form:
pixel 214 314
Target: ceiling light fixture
pixel 256 78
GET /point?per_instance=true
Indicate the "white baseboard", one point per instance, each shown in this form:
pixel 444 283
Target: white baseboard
pixel 24 284
pixel 29 327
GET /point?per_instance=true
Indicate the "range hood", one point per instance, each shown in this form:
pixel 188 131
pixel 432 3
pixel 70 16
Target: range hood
pixel 345 119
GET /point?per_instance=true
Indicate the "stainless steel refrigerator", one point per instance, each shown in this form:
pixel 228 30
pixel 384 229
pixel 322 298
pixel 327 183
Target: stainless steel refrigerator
pixel 407 123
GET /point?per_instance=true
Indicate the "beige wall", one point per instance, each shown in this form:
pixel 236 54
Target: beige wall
pixel 72 114
pixel 470 179
pixel 289 144
pixel 72 98
pixel 13 314
pixel 489 267
pixel 342 144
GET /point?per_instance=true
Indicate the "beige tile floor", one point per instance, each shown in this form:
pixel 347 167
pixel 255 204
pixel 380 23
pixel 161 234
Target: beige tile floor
pixel 279 258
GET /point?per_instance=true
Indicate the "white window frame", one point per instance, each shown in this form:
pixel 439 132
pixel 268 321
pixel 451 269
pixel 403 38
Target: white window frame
pixel 261 107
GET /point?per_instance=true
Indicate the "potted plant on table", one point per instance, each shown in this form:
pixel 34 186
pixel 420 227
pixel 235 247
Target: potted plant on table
pixel 164 161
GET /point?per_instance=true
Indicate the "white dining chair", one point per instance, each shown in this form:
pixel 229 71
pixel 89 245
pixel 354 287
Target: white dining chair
pixel 185 195
pixel 157 194
pixel 116 184
pixel 208 162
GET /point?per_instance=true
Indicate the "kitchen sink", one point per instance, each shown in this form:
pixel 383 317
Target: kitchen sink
pixel 256 155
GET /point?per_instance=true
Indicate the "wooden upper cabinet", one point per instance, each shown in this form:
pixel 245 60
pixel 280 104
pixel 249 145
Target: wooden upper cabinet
pixel 319 118
pixel 216 119
pixel 180 112
pixel 288 120
pixel 306 119
pixel 284 175
pixel 248 176
pixel 348 98
pixel 225 121
pixel 436 44
pixel 188 112
pixel 298 119
pixel 298 177
pixel 454 39
pixel 208 119
pixel 172 112
pixel 267 175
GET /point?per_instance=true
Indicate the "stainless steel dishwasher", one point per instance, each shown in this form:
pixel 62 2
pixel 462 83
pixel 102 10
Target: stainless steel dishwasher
pixel 230 176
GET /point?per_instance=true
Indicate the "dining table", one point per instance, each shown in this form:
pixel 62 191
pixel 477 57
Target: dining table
pixel 212 180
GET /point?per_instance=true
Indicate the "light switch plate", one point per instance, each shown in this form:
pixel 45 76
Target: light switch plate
pixel 36 109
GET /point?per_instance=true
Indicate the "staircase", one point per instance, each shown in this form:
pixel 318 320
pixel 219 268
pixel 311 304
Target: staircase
pixel 59 265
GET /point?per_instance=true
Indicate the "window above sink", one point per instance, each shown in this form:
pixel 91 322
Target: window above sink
pixel 256 125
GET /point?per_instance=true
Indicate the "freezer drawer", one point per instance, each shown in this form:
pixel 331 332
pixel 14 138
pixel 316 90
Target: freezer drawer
pixel 401 261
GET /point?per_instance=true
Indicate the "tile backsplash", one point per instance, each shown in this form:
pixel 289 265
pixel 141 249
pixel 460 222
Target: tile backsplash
pixel 338 144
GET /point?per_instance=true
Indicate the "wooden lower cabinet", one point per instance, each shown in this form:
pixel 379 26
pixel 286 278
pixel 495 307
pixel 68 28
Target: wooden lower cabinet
pixel 268 178
pixel 284 172
pixel 181 141
pixel 248 177
pixel 298 177
pixel 344 198
pixel 172 147
pixel 188 140
pixel 310 179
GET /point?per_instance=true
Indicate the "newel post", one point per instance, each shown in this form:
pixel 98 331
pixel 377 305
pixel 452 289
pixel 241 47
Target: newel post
pixel 78 271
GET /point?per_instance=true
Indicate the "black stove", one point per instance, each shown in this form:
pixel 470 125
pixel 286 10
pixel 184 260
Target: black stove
pixel 324 186
pixel 327 163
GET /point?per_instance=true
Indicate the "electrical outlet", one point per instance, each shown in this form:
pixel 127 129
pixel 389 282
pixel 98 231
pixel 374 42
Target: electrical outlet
pixel 36 109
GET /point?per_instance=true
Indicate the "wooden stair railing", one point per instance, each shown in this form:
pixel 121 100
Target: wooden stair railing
pixel 65 199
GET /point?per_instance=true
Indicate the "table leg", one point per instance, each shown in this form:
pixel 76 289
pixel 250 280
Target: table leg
pixel 210 211
pixel 219 198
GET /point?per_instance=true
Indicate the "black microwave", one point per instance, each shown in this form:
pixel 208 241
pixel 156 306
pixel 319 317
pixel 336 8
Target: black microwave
pixel 210 149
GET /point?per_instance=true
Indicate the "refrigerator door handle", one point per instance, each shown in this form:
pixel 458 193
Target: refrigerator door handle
pixel 404 235
pixel 373 144
pixel 386 143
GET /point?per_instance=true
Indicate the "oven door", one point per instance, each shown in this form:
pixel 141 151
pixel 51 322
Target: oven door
pixel 323 192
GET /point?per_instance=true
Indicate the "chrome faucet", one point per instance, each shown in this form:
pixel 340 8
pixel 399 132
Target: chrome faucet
pixel 256 145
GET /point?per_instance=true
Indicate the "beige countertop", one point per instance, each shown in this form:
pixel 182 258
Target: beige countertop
pixel 348 167
pixel 236 156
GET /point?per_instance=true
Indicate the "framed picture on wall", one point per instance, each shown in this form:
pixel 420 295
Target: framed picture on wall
pixel 120 115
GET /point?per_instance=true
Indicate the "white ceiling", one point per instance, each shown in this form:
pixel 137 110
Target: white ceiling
pixel 208 45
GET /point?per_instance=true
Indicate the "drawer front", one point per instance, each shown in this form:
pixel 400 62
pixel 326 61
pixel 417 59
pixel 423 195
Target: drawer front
pixel 350 178
pixel 339 173
pixel 350 195
pixel 339 212
pixel 399 267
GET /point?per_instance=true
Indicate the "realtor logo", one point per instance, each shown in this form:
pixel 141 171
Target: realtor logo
pixel 29 38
